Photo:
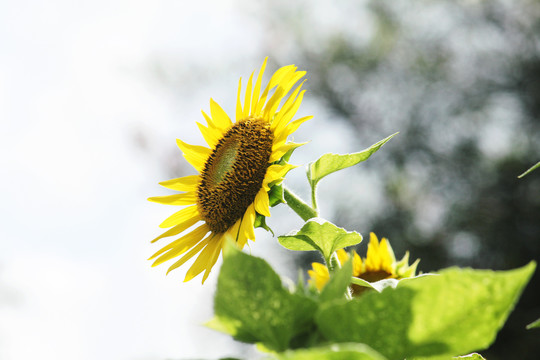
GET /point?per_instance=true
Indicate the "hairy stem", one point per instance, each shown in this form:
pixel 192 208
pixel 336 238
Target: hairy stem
pixel 303 210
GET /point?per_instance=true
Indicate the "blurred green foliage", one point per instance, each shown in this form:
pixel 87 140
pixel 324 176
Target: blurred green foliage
pixel 451 313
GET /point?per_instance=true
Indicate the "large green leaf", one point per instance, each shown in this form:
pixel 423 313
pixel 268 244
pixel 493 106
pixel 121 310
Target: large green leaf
pixel 454 313
pixel 319 234
pixel 329 163
pixel 252 305
pixel 333 352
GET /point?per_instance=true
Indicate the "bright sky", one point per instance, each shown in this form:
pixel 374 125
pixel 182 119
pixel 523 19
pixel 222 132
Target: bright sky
pixel 74 280
pixel 75 86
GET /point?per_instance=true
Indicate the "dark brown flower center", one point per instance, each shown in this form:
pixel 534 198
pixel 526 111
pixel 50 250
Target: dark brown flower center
pixel 370 276
pixel 234 172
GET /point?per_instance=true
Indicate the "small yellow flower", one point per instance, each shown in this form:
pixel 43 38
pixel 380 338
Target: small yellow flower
pixel 379 263
pixel 235 172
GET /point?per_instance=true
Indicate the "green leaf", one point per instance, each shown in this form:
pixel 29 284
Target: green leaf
pixel 339 282
pixel 333 352
pixel 456 312
pixel 329 163
pixel 537 165
pixel 534 325
pixel 252 305
pixel 321 235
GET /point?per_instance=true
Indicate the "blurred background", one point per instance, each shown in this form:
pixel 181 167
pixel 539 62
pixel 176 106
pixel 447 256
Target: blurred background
pixel 93 95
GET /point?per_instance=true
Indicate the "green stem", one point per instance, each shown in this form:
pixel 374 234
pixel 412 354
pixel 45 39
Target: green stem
pixel 303 210
pixel 314 197
pixel 333 262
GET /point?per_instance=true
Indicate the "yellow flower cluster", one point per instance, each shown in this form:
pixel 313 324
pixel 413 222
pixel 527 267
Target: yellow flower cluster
pixel 379 263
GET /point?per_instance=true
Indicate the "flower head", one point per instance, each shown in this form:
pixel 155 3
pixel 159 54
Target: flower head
pixel 237 169
pixel 379 263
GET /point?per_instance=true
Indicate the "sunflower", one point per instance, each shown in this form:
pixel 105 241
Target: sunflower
pixel 379 263
pixel 242 162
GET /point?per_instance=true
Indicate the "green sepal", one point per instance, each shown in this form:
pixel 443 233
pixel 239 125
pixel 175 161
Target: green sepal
pixel 285 158
pixel 320 235
pixel 275 195
pixel 403 269
pixel 330 163
pixel 260 222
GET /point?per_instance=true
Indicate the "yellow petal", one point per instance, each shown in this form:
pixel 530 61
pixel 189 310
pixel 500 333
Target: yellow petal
pixel 247 231
pixel 196 155
pixel 273 103
pixel 214 256
pixel 179 228
pixel 286 114
pixel 210 136
pixel 342 256
pixel 186 183
pixel 287 106
pixel 282 149
pixel 239 114
pixel 178 199
pixel 219 116
pixel 373 259
pixel 208 119
pixel 319 275
pixel 274 81
pixel 232 233
pixel 284 87
pixel 180 216
pixel 387 255
pixel 257 88
pixel 180 245
pixel 204 261
pixel 291 78
pixel 190 254
pixel 320 268
pixel 357 264
pixel 276 173
pixel 262 203
pixel 289 129
pixel 247 98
